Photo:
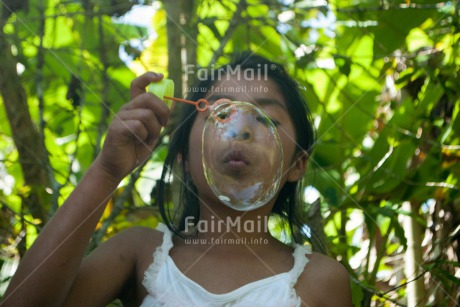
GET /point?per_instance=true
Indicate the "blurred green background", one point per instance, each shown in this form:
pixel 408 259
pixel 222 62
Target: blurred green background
pixel 381 77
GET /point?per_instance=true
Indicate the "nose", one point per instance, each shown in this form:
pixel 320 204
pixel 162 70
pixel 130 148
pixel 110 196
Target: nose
pixel 246 135
pixel 239 135
pixel 241 128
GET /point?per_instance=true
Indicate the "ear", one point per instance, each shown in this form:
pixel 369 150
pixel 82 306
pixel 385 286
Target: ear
pixel 298 167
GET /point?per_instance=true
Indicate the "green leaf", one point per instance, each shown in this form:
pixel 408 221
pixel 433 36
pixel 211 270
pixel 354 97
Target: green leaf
pixel 392 169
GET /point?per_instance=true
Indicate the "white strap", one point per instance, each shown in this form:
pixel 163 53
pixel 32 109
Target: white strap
pixel 160 256
pixel 163 251
pixel 300 261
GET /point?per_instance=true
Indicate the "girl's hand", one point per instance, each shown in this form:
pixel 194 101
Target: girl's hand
pixel 134 130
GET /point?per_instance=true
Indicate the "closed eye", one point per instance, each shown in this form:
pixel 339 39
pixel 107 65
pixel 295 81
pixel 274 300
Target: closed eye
pixel 265 121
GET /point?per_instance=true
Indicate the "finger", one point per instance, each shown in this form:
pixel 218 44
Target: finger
pixel 150 102
pixel 148 119
pixel 133 129
pixel 139 84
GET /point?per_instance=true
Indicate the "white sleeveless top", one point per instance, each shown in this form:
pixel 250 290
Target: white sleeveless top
pixel 168 286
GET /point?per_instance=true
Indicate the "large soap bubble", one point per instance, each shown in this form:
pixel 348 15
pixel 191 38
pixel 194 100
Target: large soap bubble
pixel 242 155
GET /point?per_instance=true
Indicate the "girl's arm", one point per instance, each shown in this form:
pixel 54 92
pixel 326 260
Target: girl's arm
pixel 49 269
pixel 113 270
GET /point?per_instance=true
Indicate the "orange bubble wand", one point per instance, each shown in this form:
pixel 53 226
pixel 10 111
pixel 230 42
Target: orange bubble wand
pixel 201 105
pixel 164 89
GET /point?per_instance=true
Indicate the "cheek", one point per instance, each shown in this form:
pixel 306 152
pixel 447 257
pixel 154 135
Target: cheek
pixel 195 147
pixel 288 140
pixel 195 153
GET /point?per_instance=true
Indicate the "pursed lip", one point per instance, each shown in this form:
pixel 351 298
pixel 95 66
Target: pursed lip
pixel 237 157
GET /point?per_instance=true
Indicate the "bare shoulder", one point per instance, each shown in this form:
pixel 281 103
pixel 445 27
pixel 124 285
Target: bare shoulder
pixel 139 236
pixel 135 241
pixel 324 282
pixel 140 243
pixel 98 283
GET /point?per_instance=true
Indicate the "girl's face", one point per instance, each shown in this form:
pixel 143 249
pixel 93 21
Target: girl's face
pixel 266 95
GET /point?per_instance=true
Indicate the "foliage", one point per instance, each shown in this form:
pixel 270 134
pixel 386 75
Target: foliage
pixel 380 77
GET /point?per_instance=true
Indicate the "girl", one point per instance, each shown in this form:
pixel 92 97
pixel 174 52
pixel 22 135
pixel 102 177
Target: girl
pixel 210 270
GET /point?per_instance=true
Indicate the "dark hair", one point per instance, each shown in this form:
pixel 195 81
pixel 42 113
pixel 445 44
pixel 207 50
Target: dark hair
pixel 288 205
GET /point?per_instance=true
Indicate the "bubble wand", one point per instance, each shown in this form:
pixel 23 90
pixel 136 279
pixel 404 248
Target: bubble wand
pixel 164 90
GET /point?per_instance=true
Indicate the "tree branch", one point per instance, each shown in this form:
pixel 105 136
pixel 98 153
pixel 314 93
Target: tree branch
pixel 32 154
pixel 234 22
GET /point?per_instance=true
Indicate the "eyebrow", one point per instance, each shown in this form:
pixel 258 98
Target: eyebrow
pixel 263 101
pixel 270 101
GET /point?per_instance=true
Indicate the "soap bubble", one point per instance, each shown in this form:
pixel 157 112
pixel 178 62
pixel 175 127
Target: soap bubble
pixel 242 155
